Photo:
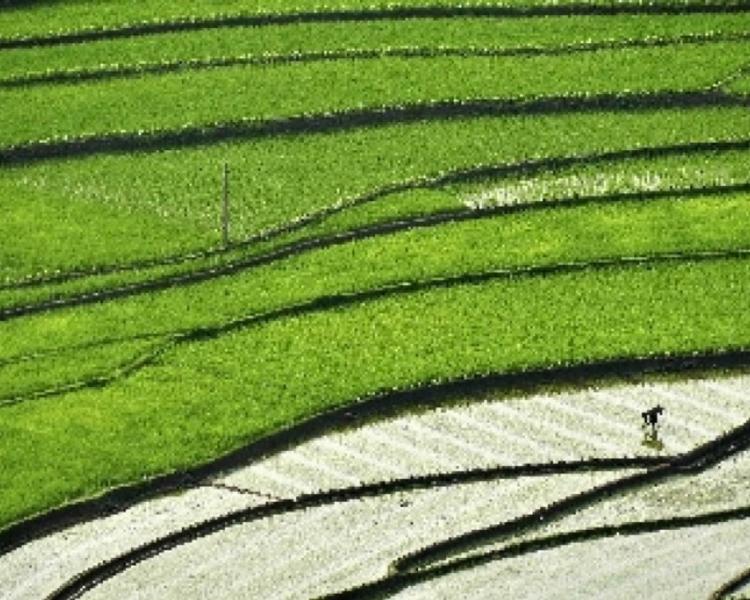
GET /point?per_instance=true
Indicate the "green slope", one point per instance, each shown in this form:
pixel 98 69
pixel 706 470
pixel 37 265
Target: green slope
pixel 398 233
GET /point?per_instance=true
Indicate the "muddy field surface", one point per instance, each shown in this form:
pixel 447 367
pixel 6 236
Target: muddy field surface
pixel 431 491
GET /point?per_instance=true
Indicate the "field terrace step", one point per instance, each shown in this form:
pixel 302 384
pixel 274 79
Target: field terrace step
pixel 723 487
pixel 662 565
pixel 570 425
pixel 326 549
pixel 356 538
pixel 36 569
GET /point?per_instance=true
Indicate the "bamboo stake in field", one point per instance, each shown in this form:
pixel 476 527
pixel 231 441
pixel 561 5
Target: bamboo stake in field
pixel 225 206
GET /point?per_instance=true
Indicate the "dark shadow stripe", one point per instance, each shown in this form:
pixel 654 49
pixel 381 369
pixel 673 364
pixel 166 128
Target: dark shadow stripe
pixel 105 295
pixel 462 175
pixel 105 72
pixel 399 287
pixel 733 585
pixel 343 300
pixel 392 227
pixel 691 462
pixel 397 582
pixel 364 15
pixel 377 406
pixel 359 118
pixel 97 575
pixel 415 567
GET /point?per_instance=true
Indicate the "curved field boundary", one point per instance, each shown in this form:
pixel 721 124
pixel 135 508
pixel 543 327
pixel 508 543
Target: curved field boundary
pixel 332 302
pixel 211 133
pixel 381 14
pixel 13 360
pixel 100 380
pixel 691 462
pixel 373 14
pixel 92 577
pixel 733 585
pixel 462 175
pixel 384 404
pixel 130 70
pixel 388 228
pixel 458 176
pixel 436 560
pixel 398 582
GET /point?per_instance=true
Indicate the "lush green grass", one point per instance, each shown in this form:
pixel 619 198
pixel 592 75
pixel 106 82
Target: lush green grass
pixel 28 375
pixel 273 181
pixel 600 179
pixel 50 229
pixel 741 85
pixel 42 18
pixel 208 398
pixel 406 314
pixel 545 237
pixel 155 102
pixel 547 32
pixel 680 171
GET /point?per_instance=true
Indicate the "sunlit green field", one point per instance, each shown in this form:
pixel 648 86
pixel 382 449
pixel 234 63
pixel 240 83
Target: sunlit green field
pixel 419 192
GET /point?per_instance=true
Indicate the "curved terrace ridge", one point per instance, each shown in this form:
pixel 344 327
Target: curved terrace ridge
pixel 208 274
pixel 211 133
pixel 419 563
pixel 399 581
pixel 550 164
pixel 733 585
pixel 476 240
pixel 387 227
pixel 340 300
pixel 106 71
pixel 373 14
pixel 379 405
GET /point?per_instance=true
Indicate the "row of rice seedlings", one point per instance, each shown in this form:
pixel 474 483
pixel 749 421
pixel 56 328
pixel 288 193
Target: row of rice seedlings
pixel 611 179
pixel 274 181
pixel 204 399
pixel 541 238
pixel 298 38
pixel 608 179
pixel 47 20
pixel 153 103
pixel 77 230
pixel 709 170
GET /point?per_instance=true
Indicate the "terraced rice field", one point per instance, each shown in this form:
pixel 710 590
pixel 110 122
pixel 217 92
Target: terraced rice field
pixel 335 512
pixel 341 299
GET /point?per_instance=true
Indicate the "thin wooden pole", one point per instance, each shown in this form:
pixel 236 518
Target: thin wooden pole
pixel 225 207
